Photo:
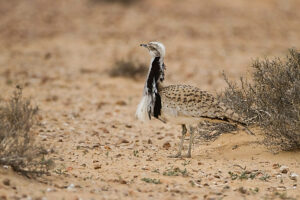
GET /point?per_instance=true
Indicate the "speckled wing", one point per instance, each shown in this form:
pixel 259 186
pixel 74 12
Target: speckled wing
pixel 189 101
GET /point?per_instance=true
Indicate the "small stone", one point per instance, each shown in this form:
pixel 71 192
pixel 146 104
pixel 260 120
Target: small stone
pixel 281 187
pixel 294 176
pixel 242 190
pixel 149 141
pixel 100 105
pixel 50 190
pixel 118 155
pixel 124 141
pixel 71 187
pixel 97 167
pixel 216 176
pixel 166 145
pixel 6 182
pixel 69 169
pixel 121 103
pixel 294 186
pixel 284 169
pixel 107 147
pixel 104 130
pixel 276 166
pixel 226 187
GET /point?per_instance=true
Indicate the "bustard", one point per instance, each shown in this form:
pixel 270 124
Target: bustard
pixel 180 104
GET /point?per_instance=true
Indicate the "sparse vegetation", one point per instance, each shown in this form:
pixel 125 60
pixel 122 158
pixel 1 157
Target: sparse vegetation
pixel 280 195
pixel 245 175
pixel 175 172
pixel 271 100
pixel 254 191
pixel 186 162
pixel 17 147
pixel 265 177
pixel 150 180
pixel 136 153
pixel 209 131
pixel 128 69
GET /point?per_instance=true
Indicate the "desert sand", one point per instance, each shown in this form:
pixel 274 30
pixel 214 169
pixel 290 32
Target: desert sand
pixel 61 52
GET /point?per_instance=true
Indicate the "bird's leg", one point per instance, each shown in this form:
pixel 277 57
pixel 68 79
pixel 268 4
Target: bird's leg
pixel 189 154
pixel 184 130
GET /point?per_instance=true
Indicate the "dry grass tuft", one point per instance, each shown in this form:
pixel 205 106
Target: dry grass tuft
pixel 17 148
pixel 272 100
pixel 128 69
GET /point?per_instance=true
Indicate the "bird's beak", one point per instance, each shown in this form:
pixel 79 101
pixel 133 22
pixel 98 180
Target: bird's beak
pixel 144 45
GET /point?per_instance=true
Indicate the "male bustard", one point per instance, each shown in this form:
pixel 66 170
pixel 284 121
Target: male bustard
pixel 180 104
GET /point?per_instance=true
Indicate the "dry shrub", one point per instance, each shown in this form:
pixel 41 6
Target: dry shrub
pixel 272 100
pixel 17 147
pixel 128 69
pixel 209 131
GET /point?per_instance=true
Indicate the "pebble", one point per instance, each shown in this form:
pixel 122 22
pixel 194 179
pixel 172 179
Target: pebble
pixel 284 169
pixel 6 182
pixel 166 145
pixel 121 103
pixel 216 176
pixel 294 176
pixel 50 190
pixel 71 187
pixel 97 167
pixel 123 141
pixel 276 166
pixel 281 187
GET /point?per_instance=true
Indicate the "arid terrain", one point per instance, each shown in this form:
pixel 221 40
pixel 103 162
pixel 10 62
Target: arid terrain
pixel 61 52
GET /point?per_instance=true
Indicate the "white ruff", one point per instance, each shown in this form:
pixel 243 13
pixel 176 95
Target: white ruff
pixel 142 109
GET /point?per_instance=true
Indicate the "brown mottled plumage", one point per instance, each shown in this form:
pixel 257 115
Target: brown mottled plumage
pixel 190 102
pixel 179 104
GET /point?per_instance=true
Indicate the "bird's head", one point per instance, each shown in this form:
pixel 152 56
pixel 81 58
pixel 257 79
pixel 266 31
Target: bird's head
pixel 156 49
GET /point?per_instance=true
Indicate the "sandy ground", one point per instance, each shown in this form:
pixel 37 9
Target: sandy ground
pixel 61 51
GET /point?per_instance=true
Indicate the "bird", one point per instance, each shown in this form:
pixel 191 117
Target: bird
pixel 182 105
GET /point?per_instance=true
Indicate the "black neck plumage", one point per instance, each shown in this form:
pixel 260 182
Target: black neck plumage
pixel 155 76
